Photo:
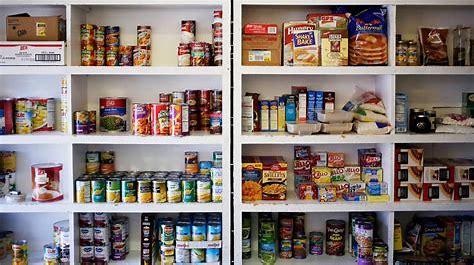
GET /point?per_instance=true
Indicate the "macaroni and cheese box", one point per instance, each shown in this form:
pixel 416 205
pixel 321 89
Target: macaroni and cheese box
pixel 274 177
pixel 251 178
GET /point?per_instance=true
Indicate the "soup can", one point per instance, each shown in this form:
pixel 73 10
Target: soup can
pixel 129 190
pixel 316 240
pixel 141 119
pixel 184 54
pixel 176 120
pixel 188 31
pixel 92 162
pixel 198 54
pixel 46 179
pixel 144 188
pixel 23 116
pixel 112 36
pixel 335 237
pixel 144 36
pixel 191 162
pixel 113 190
pixel 160 120
pixel 173 193
pixel 92 121
pixel 83 190
pixel 159 189
pixel 98 190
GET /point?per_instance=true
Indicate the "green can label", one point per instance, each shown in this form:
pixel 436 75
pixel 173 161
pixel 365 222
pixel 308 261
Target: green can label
pixel 189 190
pixel 129 190
pixel 98 190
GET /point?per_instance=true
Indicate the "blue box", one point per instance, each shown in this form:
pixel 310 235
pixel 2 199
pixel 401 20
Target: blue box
pixel 319 105
pixel 290 108
pixel 312 105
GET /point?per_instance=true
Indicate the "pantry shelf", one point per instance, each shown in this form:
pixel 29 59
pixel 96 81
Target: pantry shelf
pixel 310 259
pixel 148 207
pixel 154 70
pixel 432 138
pixel 289 70
pixel 36 138
pixel 120 2
pixel 198 137
pixel 434 206
pixel 434 70
pixel 34 207
pixel 133 258
pixel 355 2
pixel 286 138
pixel 33 70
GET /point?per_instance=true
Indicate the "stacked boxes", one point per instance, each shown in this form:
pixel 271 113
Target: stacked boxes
pixel 408 174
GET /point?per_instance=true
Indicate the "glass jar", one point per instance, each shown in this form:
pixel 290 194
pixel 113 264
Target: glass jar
pixel 401 53
pixel 461 39
pixel 412 53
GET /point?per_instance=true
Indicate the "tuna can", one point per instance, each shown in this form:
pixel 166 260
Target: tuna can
pixel 188 184
pixel 92 162
pixel 182 255
pixel 113 114
pixel 100 56
pixel 214 231
pixel 159 189
pixel 183 231
pixel 129 190
pixel 144 36
pixel 160 120
pixel 100 36
pixel 213 255
pixel 173 185
pixel 316 240
pixel 23 116
pixel 191 162
pixel 20 252
pixel 86 254
pixel 176 119
pixel 86 236
pixel 113 190
pixel 112 36
pixel 286 249
pixel 83 190
pixel 92 121
pixel 144 188
pixel 203 189
pixel 178 97
pixel 98 190
pixel 184 54
pixel 86 219
pixel 50 254
pixel 81 122
pixel 205 167
pixel 198 255
pixel 198 231
pixel 167 233
pixel 215 120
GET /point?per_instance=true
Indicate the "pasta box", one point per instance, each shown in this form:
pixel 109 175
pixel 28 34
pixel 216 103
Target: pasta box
pixel 32 53
pixel 409 156
pixel 438 191
pixel 251 178
pixel 408 192
pixel 261 50
pixel 434 171
pixel 23 27
pixel 274 177
pixel 264 107
pixel 408 174
pixel 281 114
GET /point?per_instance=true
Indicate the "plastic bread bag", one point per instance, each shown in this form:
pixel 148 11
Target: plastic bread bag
pixel 370 116
pixel 338 116
pixel 364 99
pixel 370 128
pixel 336 128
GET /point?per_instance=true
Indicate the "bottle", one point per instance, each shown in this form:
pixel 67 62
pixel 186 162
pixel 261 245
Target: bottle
pixel 461 44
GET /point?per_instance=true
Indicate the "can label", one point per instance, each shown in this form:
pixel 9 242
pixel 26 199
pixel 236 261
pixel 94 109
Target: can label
pixel 86 236
pixel 23 116
pixel 101 253
pixel 83 191
pixel 86 253
pixel 129 191
pixel 198 255
pixel 176 120
pixel 113 190
pixel 101 236
pixel 141 119
pixel 189 190
pixel 44 114
pixel 213 255
pixel 182 255
pixel 98 190
pixel 203 190
pixel 144 191
pixel 113 114
pixel 81 122
pixel 160 119
pixel 174 190
pixel 159 191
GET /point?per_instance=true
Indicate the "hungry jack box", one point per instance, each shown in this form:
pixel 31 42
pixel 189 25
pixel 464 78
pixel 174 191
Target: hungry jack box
pixel 289 29
pixel 408 192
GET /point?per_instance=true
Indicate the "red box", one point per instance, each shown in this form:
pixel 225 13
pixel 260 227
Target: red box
pixel 408 192
pixel 463 191
pixel 261 29
pixel 335 159
pixel 438 191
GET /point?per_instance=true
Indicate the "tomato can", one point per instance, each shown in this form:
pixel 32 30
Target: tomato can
pixel 92 121
pixel 203 189
pixel 98 190
pixel 141 119
pixel 188 31
pixel 159 189
pixel 178 97
pixel 7 113
pixel 144 36
pixel 191 162
pixel 112 36
pixel 44 114
pixel 88 33
pixel 215 120
pixel 188 184
pixel 46 179
pixel 185 119
pixel 88 58
pixel 113 114
pixel 100 56
pixel 165 97
pixel 112 56
pixel 198 54
pixel 23 116
pixel 92 162
pixel 100 36
pixel 144 190
pixel 184 54
pixel 83 190
pixel 20 252
pixel 160 122
pixel 129 190
pixel 81 122
pixel 112 192
pixel 176 120
pixel 126 55
pixel 173 185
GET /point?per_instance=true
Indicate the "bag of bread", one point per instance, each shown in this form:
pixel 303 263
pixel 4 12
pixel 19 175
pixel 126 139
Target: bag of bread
pixel 434 48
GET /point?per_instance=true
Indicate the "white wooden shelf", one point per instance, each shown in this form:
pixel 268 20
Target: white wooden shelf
pixel 317 70
pixel 153 70
pixel 148 207
pixel 310 259
pixel 54 137
pixel 467 205
pixel 115 2
pixel 434 70
pixel 33 70
pixel 355 2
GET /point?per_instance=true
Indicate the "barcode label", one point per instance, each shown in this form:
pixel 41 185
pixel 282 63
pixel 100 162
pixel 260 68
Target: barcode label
pixel 272 30
pixel 260 56
pixel 48 57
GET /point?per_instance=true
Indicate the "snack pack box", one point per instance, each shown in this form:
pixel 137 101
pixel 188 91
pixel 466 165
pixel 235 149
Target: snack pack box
pixel 327 193
pixel 274 177
pixel 337 174
pixel 377 188
pixel 408 192
pixel 369 157
pixel 302 152
pixel 321 175
pixel 408 174
pixel 289 29
pixel 409 156
pixel 438 191
pixel 302 167
pixel 461 170
pixel 357 186
pixel 251 178
pixel 352 173
pixel 320 159
pixel 342 187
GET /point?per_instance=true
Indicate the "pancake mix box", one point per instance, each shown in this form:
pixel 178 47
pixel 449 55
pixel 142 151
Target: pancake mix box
pixel 289 29
pixel 438 192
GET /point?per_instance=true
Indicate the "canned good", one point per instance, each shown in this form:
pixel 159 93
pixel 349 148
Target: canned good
pixel 113 190
pixel 112 56
pixel 44 114
pixel 107 157
pixel 167 254
pixel 101 236
pixel 217 159
pixel 81 122
pixel 217 192
pixel 188 31
pixel 316 240
pixel 46 179
pixel 100 36
pixel 176 120
pixel 98 190
pixel 299 247
pixel 198 54
pixel 174 190
pixel 188 184
pixel 213 255
pixel 182 255
pixel 112 36
pixel 88 58
pixel 141 56
pixel 286 249
pixel 100 56
pixel 160 122
pixel 92 162
pixel 101 219
pixel 207 53
pixel 113 114
pixel 141 119
pixel 205 167
pixel 165 98
pixel 184 54
pixel 205 120
pixel 144 187
pixel 92 121
pixel 86 254
pixel 198 255
pixel 20 252
pixel 203 189
pixel 7 113
pixel 216 103
pixel 215 122
pixel 23 116
pixel 126 55
pixel 159 190
pixel 380 254
pixel 129 190
pixel 144 36
pixel 83 190
pixel 88 33
pixel 86 219
pixel 335 237
pixel 102 254
pixel 167 233
pixel 198 231
pixel 185 119
pixel 50 254
pixel 183 231
pixel 206 100
pixel 191 162
pixel 86 236
pixel 214 231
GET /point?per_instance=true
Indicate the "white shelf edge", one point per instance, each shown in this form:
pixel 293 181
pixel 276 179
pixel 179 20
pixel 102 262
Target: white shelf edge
pixel 115 2
pixel 314 206
pixel 467 205
pixel 355 2
pixel 132 139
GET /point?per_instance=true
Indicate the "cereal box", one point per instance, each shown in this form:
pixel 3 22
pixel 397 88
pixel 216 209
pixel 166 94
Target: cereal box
pixel 372 174
pixel 342 187
pixel 407 174
pixel 337 174
pixel 320 159
pixel 352 173
pixel 264 115
pixel 321 175
pixel 334 47
pixel 410 156
pixel 308 191
pixel 251 178
pixel 335 159
pixel 274 177
pixel 438 192
pixel 408 192
pixel 306 48
pixel 289 29
pixel 327 193
pixel 356 186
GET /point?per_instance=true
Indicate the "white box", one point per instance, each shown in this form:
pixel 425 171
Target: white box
pixel 32 53
pixel 247 114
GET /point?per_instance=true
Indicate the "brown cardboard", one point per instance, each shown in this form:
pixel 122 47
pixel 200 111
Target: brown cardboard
pixel 270 45
pixel 25 28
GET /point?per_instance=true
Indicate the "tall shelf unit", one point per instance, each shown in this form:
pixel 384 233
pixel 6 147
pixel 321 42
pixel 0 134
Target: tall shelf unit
pixel 33 221
pixel 426 86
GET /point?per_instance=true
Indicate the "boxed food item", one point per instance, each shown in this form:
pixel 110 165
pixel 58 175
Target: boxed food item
pixel 251 178
pixel 301 94
pixel 433 235
pixel 463 191
pixel 281 114
pixel 23 27
pixel 306 48
pixel 407 174
pixel 342 187
pixel 372 174
pixel 32 53
pixel 377 188
pixel 337 174
pixel 248 114
pixel 328 21
pixel 355 197
pixel 148 238
pixel 408 192
pixel 401 113
pixel 312 106
pixel 274 177
pixel 264 107
pixel 466 232
pixel 378 198
pixel 289 29
pixel 335 159
pixel 336 128
pixel 369 157
pixel 453 234
pixel 461 170
pixel 409 156
pixel 302 152
pixel 261 50
pixel 334 47
pixel 290 108
pixel 302 167
pixel 327 193
pixel 321 175
pixel 434 171
pixel 329 101
pixel 274 115
pixel 308 191
pixel 260 29
pixel 352 173
pixel 320 159
pixel 356 186
pixel 299 179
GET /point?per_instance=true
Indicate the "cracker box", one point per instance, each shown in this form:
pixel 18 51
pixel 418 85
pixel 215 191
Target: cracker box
pixel 372 174
pixel 408 192
pixel 290 108
pixel 289 29
pixel 328 21
pixel 461 170
pixel 411 156
pixel 260 29
pixel 306 48
pixel 320 159
pixel 342 187
pixel 463 191
pixel 327 193
pixel 281 114
pixel 335 159
pixel 274 115
pixel 302 152
pixel 264 106
pixel 274 177
pixel 261 50
pixel 321 175
pixel 435 172
pixel 32 53
pixel 334 47
pixel 251 178
pixel 308 191
pixel 407 174
pixel 357 186
pixel 433 234
pixel 337 174
pixel 352 173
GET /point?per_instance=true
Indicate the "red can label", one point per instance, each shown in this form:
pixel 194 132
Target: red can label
pixel 141 119
pixel 160 122
pixel 176 120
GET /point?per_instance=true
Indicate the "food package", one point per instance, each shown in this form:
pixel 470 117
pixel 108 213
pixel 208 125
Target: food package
pixel 368 115
pixel 366 100
pixel 434 48
pixel 337 116
pixel 303 128
pixel 336 128
pixel 368 42
pixel 308 191
pixel 334 47
pixel 289 29
pixel 328 21
pixel 306 48
pixel 327 193
pixel 321 175
pixel 335 159
pixel 372 128
pixel 251 178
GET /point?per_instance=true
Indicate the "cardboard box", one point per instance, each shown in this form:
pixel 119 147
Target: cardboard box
pixel 261 50
pixel 461 170
pixel 437 192
pixel 407 174
pixel 334 47
pixel 32 53
pixel 260 29
pixel 409 156
pixel 289 29
pixel 251 178
pixel 247 114
pixel 435 172
pixel 408 192
pixel 22 27
pixel 274 177
pixel 463 191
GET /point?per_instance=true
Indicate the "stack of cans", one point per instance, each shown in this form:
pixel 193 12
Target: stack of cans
pixel 142 52
pixel 217 37
pixel 88 57
pixel 94 238
pixel 62 241
pixel 120 235
pixel 167 241
pixel 112 45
